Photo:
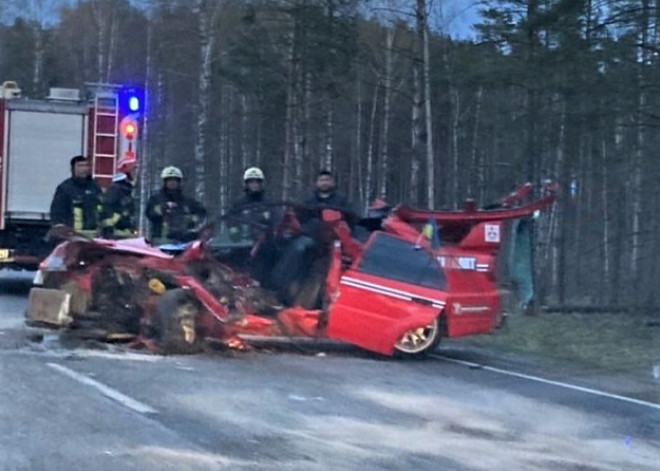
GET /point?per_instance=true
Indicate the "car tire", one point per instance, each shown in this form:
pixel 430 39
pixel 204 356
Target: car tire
pixel 410 346
pixel 175 323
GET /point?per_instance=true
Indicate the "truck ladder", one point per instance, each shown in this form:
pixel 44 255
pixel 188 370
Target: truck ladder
pixel 105 136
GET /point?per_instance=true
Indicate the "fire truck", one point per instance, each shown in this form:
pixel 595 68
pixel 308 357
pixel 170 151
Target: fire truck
pixel 37 140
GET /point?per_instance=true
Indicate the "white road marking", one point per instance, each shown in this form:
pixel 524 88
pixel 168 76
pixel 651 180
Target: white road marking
pixel 560 384
pixel 107 391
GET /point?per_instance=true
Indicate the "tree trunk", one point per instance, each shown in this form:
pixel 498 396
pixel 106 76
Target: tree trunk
pixel 307 165
pixel 455 159
pixel 417 133
pixel 205 31
pixel 559 240
pixel 225 149
pixel 39 53
pixel 355 191
pixel 638 160
pixel 246 161
pixel 428 110
pixel 100 20
pixel 112 47
pixel 145 168
pixel 532 106
pixel 368 187
pixel 289 125
pixel 476 170
pixel 258 152
pixel 383 169
pixel 606 225
pixel 329 136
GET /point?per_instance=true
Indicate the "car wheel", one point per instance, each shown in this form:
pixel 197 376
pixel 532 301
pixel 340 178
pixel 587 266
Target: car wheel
pixel 418 343
pixel 175 326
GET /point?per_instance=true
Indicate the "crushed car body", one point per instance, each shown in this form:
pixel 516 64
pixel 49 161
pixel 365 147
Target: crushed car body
pixel 395 284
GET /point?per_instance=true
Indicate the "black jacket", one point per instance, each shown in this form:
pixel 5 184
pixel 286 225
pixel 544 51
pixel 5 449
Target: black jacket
pixel 118 215
pixel 246 199
pixel 172 214
pixel 247 214
pixel 334 200
pixel 76 204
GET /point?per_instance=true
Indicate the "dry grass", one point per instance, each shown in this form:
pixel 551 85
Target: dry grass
pixel 615 343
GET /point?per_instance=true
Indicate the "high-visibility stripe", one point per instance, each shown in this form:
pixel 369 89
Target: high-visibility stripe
pixel 390 291
pixel 376 290
pixel 111 221
pixel 78 223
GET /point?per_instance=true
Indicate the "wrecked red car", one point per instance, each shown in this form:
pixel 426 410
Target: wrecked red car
pixel 393 284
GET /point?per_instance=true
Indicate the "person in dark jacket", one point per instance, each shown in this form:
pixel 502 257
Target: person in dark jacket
pixel 325 193
pixel 251 220
pixel 77 200
pixel 301 254
pixel 118 215
pixel 325 196
pixel 172 214
pixel 248 216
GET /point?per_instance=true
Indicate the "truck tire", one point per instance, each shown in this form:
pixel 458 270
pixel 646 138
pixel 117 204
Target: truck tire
pixel 175 323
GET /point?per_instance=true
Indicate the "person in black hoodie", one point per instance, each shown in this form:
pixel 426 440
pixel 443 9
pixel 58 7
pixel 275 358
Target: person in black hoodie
pixel 172 214
pixel 118 216
pixel 77 200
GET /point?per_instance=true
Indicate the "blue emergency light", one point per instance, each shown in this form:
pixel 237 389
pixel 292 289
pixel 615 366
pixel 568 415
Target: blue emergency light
pixel 132 100
pixel 134 104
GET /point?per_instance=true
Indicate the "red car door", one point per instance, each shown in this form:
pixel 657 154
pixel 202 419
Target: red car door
pixel 393 288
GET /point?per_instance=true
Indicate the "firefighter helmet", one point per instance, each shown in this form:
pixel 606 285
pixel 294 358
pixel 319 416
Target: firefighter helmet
pixel 171 172
pixel 253 173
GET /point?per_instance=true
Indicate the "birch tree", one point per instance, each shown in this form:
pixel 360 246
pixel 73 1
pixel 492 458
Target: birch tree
pixel 207 12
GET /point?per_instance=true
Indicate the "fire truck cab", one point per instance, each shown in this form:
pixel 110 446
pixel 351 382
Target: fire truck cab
pixel 37 140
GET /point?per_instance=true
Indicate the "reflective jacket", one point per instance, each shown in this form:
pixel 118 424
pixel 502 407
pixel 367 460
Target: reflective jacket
pixel 247 213
pixel 172 214
pixel 77 204
pixel 118 215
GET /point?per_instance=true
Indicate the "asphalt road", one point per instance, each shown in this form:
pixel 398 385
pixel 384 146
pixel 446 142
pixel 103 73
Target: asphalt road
pixel 68 410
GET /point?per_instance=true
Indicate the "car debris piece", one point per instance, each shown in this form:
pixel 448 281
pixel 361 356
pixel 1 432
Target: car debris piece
pixel 49 307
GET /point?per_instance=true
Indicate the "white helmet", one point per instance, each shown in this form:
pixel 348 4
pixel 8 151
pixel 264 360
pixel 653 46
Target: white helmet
pixel 253 173
pixel 171 172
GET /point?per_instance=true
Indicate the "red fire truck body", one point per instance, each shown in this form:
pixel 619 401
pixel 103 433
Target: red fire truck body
pixel 37 140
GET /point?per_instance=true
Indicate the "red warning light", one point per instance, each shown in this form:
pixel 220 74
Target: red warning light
pixel 130 129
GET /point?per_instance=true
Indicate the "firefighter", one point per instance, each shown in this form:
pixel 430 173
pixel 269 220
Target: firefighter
pixel 118 216
pixel 173 215
pixel 251 220
pixel 249 208
pixel 77 200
